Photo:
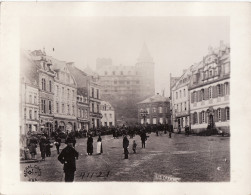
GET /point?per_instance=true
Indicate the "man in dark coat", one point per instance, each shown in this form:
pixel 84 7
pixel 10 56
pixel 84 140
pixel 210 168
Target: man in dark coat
pixel 90 145
pixel 57 143
pixel 125 146
pixel 42 145
pixel 143 139
pixel 68 157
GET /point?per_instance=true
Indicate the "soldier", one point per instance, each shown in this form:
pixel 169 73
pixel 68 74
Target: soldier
pixel 68 157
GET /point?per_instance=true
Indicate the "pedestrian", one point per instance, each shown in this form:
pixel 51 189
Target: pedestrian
pixel 32 149
pixel 68 157
pixel 99 145
pixel 42 145
pixel 57 143
pixel 143 139
pixel 90 145
pixel 134 145
pixel 48 148
pixel 187 130
pixel 125 146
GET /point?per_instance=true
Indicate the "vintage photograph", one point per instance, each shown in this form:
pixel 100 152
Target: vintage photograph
pixel 131 99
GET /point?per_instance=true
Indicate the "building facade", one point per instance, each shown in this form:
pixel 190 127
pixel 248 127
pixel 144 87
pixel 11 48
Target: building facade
pixel 210 90
pixel 180 101
pixel 29 106
pixel 65 98
pixel 128 84
pixel 46 90
pixel 156 109
pixel 108 114
pixel 95 102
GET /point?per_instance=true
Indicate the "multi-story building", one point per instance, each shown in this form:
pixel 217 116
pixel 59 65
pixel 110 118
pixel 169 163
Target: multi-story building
pixel 83 82
pixel 180 100
pixel 46 89
pixel 128 84
pixel 154 110
pixel 95 101
pixel 209 91
pixel 65 97
pixel 29 97
pixel 108 114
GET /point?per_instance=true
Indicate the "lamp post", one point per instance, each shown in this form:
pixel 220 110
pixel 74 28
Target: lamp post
pixel 144 113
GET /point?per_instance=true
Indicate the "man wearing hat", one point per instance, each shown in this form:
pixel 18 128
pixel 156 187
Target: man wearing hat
pixel 68 157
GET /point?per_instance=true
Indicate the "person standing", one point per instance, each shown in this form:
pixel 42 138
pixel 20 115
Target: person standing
pixel 99 145
pixel 48 148
pixel 134 145
pixel 125 146
pixel 42 145
pixel 143 139
pixel 68 158
pixel 32 149
pixel 90 145
pixel 57 143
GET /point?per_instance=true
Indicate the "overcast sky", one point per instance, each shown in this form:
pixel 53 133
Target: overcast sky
pixel 175 43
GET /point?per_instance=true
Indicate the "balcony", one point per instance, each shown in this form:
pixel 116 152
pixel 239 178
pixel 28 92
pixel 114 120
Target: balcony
pixel 182 113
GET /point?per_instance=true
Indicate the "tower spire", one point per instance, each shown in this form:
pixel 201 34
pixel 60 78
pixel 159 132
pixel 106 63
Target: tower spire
pixel 144 55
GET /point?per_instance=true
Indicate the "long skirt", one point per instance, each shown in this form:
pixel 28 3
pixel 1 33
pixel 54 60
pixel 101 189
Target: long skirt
pixel 89 148
pixel 99 148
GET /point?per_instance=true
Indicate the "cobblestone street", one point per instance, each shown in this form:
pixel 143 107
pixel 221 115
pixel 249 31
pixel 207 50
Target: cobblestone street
pixel 187 159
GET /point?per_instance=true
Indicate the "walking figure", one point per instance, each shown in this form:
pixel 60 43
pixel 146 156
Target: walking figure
pixel 90 145
pixel 68 157
pixel 99 145
pixel 134 145
pixel 143 139
pixel 125 146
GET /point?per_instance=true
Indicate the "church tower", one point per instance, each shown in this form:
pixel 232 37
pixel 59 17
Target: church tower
pixel 145 71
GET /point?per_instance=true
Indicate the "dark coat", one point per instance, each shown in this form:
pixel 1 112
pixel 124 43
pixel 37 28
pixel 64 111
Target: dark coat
pixel 143 136
pixel 68 158
pixel 90 145
pixel 42 145
pixel 125 142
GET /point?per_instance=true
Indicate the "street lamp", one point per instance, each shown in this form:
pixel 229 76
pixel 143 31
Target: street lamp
pixel 144 113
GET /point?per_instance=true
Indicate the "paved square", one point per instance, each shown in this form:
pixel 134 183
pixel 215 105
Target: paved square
pixel 181 158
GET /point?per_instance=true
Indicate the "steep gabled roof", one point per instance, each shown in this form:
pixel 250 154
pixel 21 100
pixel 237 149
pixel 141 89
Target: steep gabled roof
pixel 144 55
pixel 155 98
pixel 80 76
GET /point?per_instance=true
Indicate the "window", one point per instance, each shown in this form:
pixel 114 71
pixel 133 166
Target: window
pixel 219 114
pixel 82 113
pixel 79 114
pixel 181 107
pixel 110 115
pixel 43 84
pixel 154 109
pixel 184 92
pixel 210 92
pixel 50 86
pixel 185 106
pixel 35 115
pixel 92 92
pixel 195 96
pixel 202 94
pixel 227 89
pixel 203 116
pixel 97 94
pixel 73 110
pixel 195 118
pixel 57 90
pixel 227 114
pixel 176 95
pixel 35 99
pixel 86 113
pixel 68 93
pixel 62 108
pixel 62 92
pixel 210 73
pixel 97 108
pixel 73 91
pixel 68 109
pixel 30 114
pixel 50 108
pixel 148 110
pixel 92 107
pixel 219 90
pixel 180 93
pixel 57 108
pixel 30 99
pixel 160 109
pixel 42 106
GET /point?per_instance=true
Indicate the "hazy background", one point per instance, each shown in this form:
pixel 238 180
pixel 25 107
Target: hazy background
pixel 175 43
